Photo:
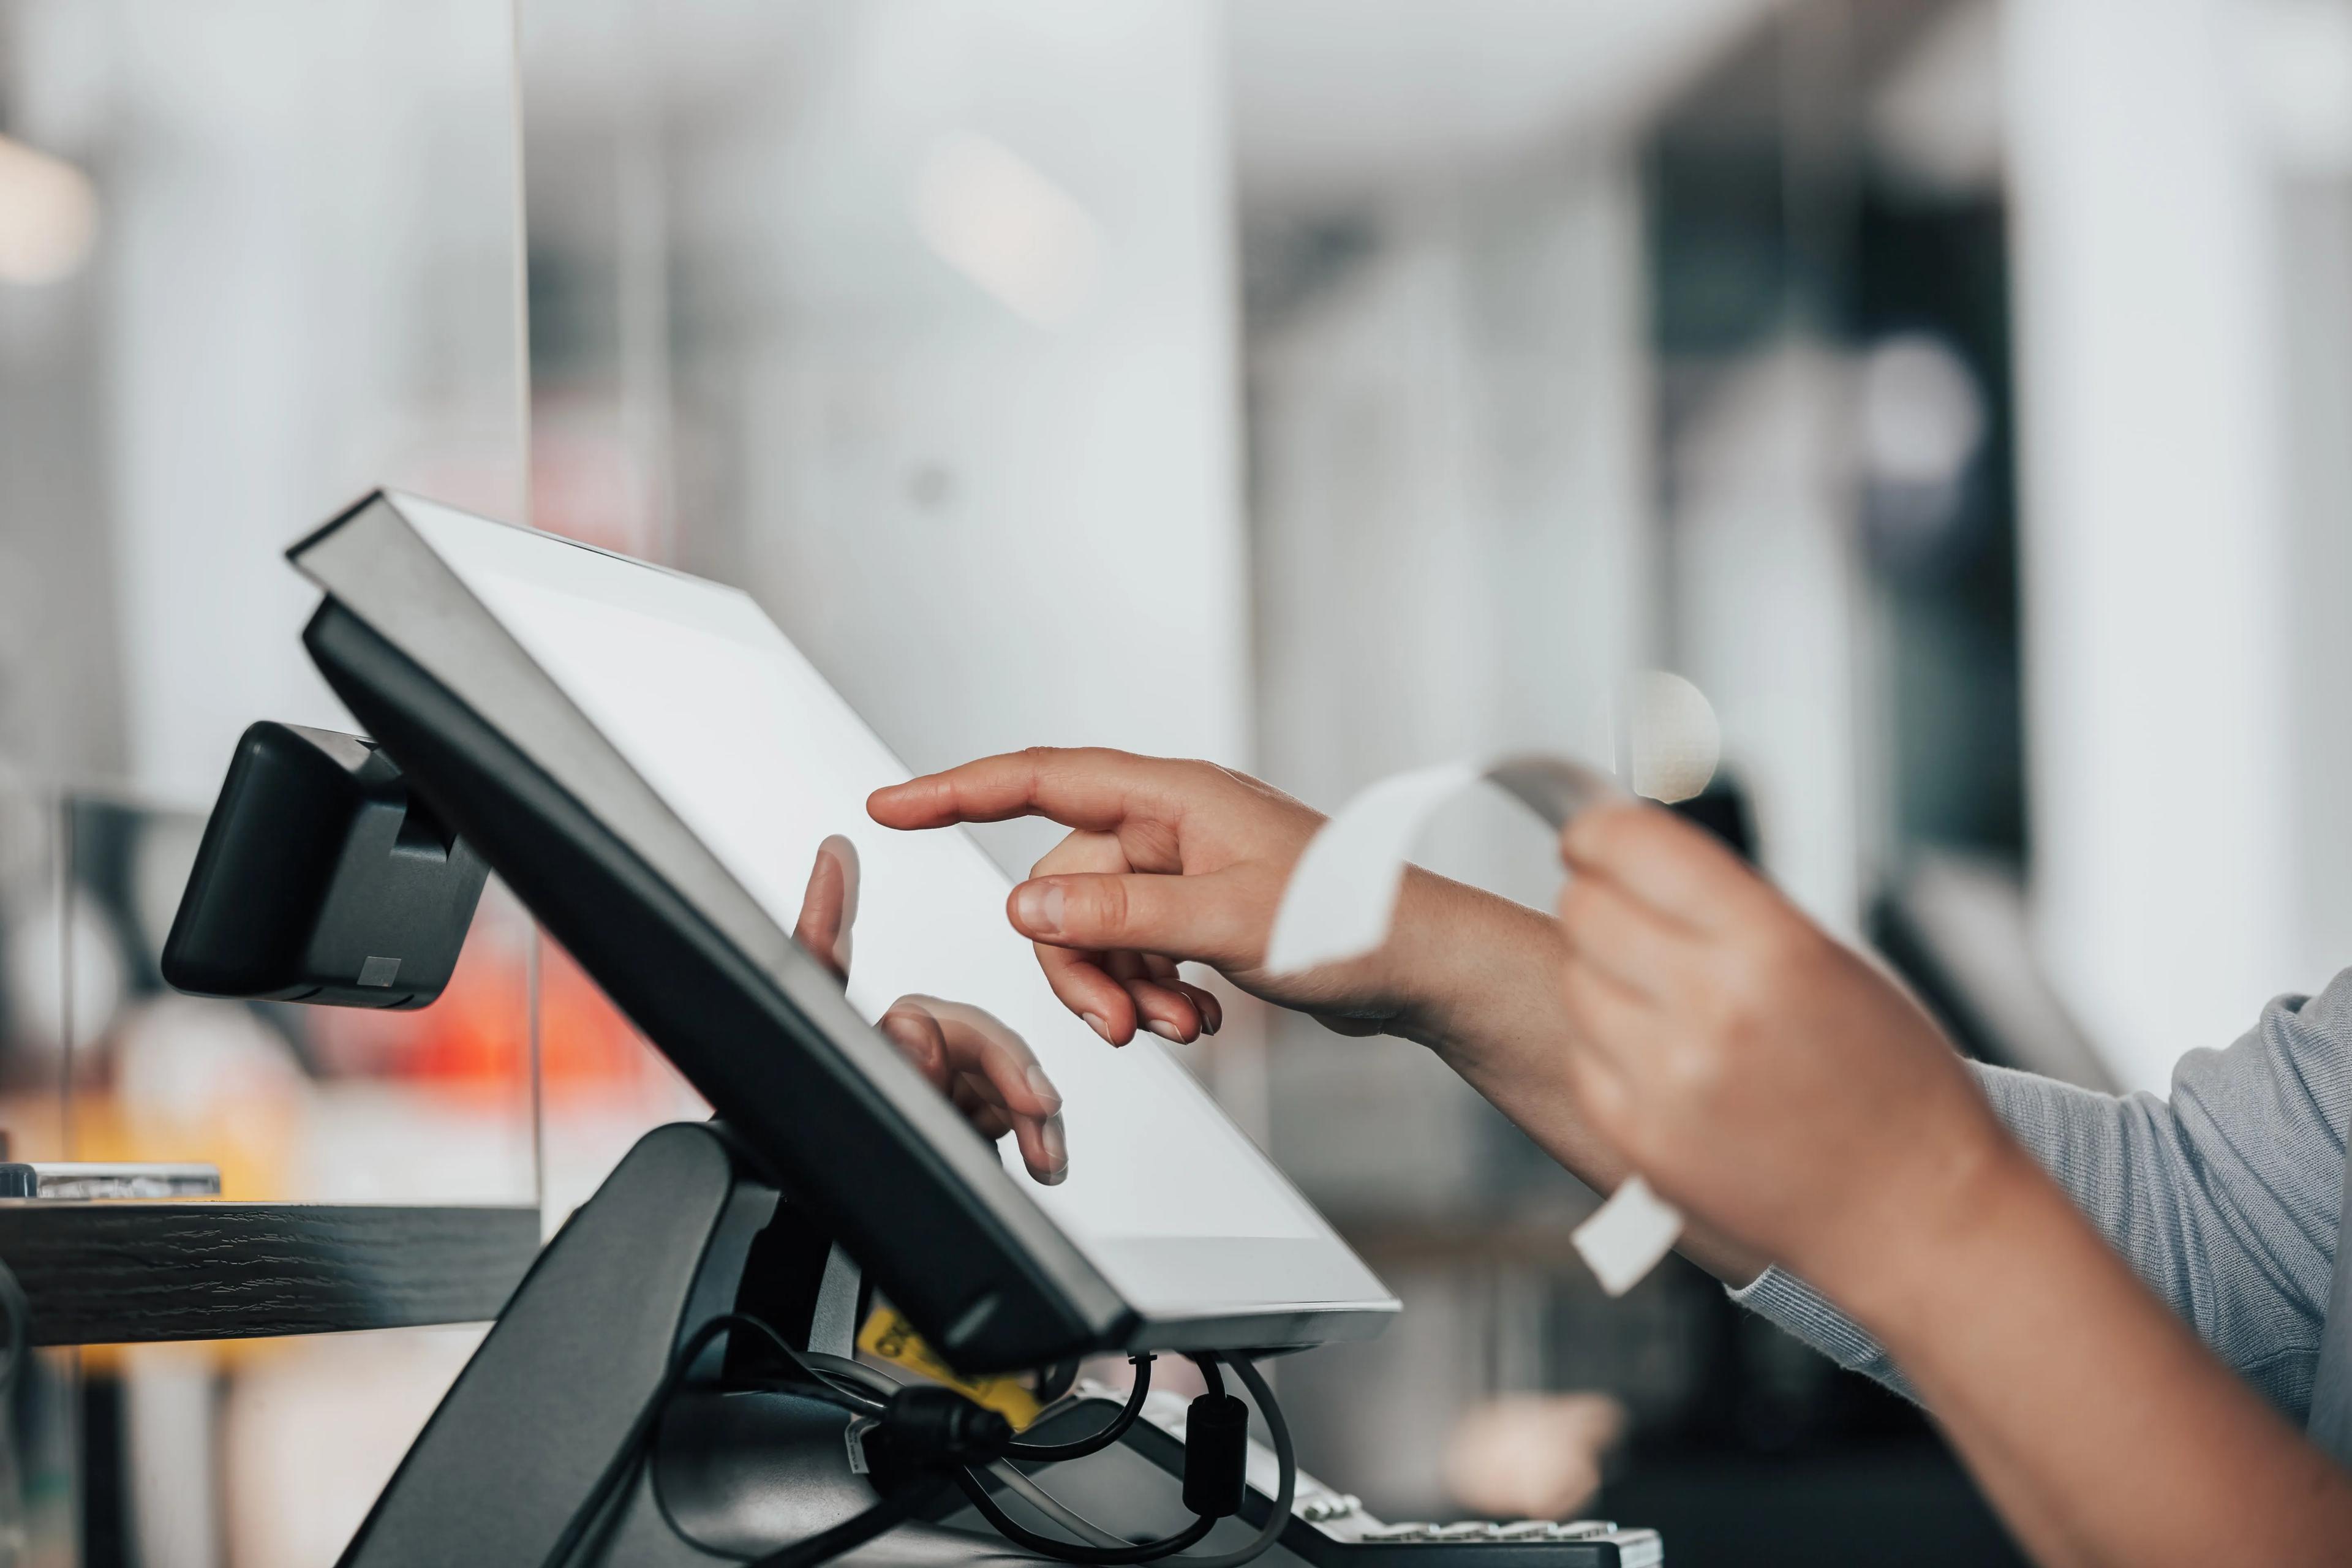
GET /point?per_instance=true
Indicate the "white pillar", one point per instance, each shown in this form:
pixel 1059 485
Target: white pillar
pixel 982 385
pixel 1767 618
pixel 308 261
pixel 2154 558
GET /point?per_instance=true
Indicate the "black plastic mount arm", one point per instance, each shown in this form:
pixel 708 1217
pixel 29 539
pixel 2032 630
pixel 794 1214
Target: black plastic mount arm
pixel 680 1233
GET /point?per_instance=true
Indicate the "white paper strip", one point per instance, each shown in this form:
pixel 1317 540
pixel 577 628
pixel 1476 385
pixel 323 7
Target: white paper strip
pixel 1623 1239
pixel 1342 899
pixel 1342 895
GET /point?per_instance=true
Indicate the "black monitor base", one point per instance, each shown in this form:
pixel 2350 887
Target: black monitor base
pixel 682 1232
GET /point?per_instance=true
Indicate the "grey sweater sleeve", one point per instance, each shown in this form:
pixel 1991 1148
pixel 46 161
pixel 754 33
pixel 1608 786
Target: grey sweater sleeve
pixel 2224 1198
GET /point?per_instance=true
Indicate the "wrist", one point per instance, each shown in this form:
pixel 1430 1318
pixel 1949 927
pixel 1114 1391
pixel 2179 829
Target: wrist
pixel 1915 1248
pixel 1465 965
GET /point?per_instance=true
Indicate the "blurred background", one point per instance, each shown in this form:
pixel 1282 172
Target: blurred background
pixel 1958 392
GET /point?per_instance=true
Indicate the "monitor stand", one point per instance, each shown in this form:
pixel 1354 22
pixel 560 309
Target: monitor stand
pixel 686 1229
pixel 683 1230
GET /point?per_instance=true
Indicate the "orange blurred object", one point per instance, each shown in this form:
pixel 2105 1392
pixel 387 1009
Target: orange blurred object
pixel 583 1039
pixel 479 1032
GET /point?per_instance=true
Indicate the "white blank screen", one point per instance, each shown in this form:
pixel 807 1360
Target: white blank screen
pixel 740 737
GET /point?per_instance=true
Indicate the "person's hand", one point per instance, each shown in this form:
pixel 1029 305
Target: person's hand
pixel 1169 862
pixel 984 1067
pixel 1187 861
pixel 1755 1070
pixel 1532 1456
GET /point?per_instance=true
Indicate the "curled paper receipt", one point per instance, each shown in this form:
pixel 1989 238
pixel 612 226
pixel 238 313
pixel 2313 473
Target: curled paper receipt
pixel 1342 899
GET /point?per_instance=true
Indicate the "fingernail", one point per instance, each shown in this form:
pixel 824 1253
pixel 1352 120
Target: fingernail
pixel 1058 1153
pixel 1166 1031
pixel 1212 1016
pixel 1040 904
pixel 1043 1087
pixel 1096 1022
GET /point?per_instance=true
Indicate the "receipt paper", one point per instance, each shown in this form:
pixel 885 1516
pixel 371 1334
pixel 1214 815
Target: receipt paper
pixel 1342 899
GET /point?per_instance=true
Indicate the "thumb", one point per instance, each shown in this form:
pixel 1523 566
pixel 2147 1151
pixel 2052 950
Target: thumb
pixel 1220 918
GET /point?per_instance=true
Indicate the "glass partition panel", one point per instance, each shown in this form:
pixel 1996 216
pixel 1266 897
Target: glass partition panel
pixel 914 321
pixel 257 257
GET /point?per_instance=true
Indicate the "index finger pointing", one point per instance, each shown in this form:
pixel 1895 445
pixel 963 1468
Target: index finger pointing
pixel 1090 787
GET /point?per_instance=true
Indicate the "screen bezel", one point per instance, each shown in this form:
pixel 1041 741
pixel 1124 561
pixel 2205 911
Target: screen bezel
pixel 975 1263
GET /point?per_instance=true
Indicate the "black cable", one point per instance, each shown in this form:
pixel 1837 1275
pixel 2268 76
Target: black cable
pixel 1012 1477
pixel 831 1385
pixel 1285 1459
pixel 1023 1536
pixel 857 1529
pixel 841 1370
pixel 1207 1361
pixel 1094 1556
pixel 1277 1512
pixel 827 1385
pixel 632 1447
pixel 1094 1443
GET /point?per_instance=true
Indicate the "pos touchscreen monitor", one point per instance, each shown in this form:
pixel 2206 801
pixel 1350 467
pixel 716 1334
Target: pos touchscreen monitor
pixel 651 764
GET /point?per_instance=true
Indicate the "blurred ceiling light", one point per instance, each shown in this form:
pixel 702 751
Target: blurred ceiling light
pixel 2294 70
pixel 1922 421
pixel 1922 416
pixel 990 214
pixel 1936 123
pixel 48 215
pixel 1672 740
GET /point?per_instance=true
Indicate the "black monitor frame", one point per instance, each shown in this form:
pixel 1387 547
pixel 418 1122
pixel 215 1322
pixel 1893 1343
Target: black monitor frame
pixel 921 1201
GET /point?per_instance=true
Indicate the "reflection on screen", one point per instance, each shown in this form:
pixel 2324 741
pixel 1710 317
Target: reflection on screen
pixel 761 760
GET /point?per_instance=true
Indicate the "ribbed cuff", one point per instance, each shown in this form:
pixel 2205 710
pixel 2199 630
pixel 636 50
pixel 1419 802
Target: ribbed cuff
pixel 1806 1314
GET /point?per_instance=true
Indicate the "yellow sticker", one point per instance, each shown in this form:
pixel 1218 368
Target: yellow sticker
pixel 891 1338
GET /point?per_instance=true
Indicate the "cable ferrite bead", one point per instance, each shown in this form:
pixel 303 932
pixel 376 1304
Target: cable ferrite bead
pixel 1216 1454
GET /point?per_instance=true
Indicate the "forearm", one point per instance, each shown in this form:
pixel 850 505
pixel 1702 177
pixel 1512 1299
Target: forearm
pixel 1476 978
pixel 2107 1433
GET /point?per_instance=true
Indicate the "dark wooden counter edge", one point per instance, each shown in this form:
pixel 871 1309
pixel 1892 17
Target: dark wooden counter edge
pixel 108 1272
